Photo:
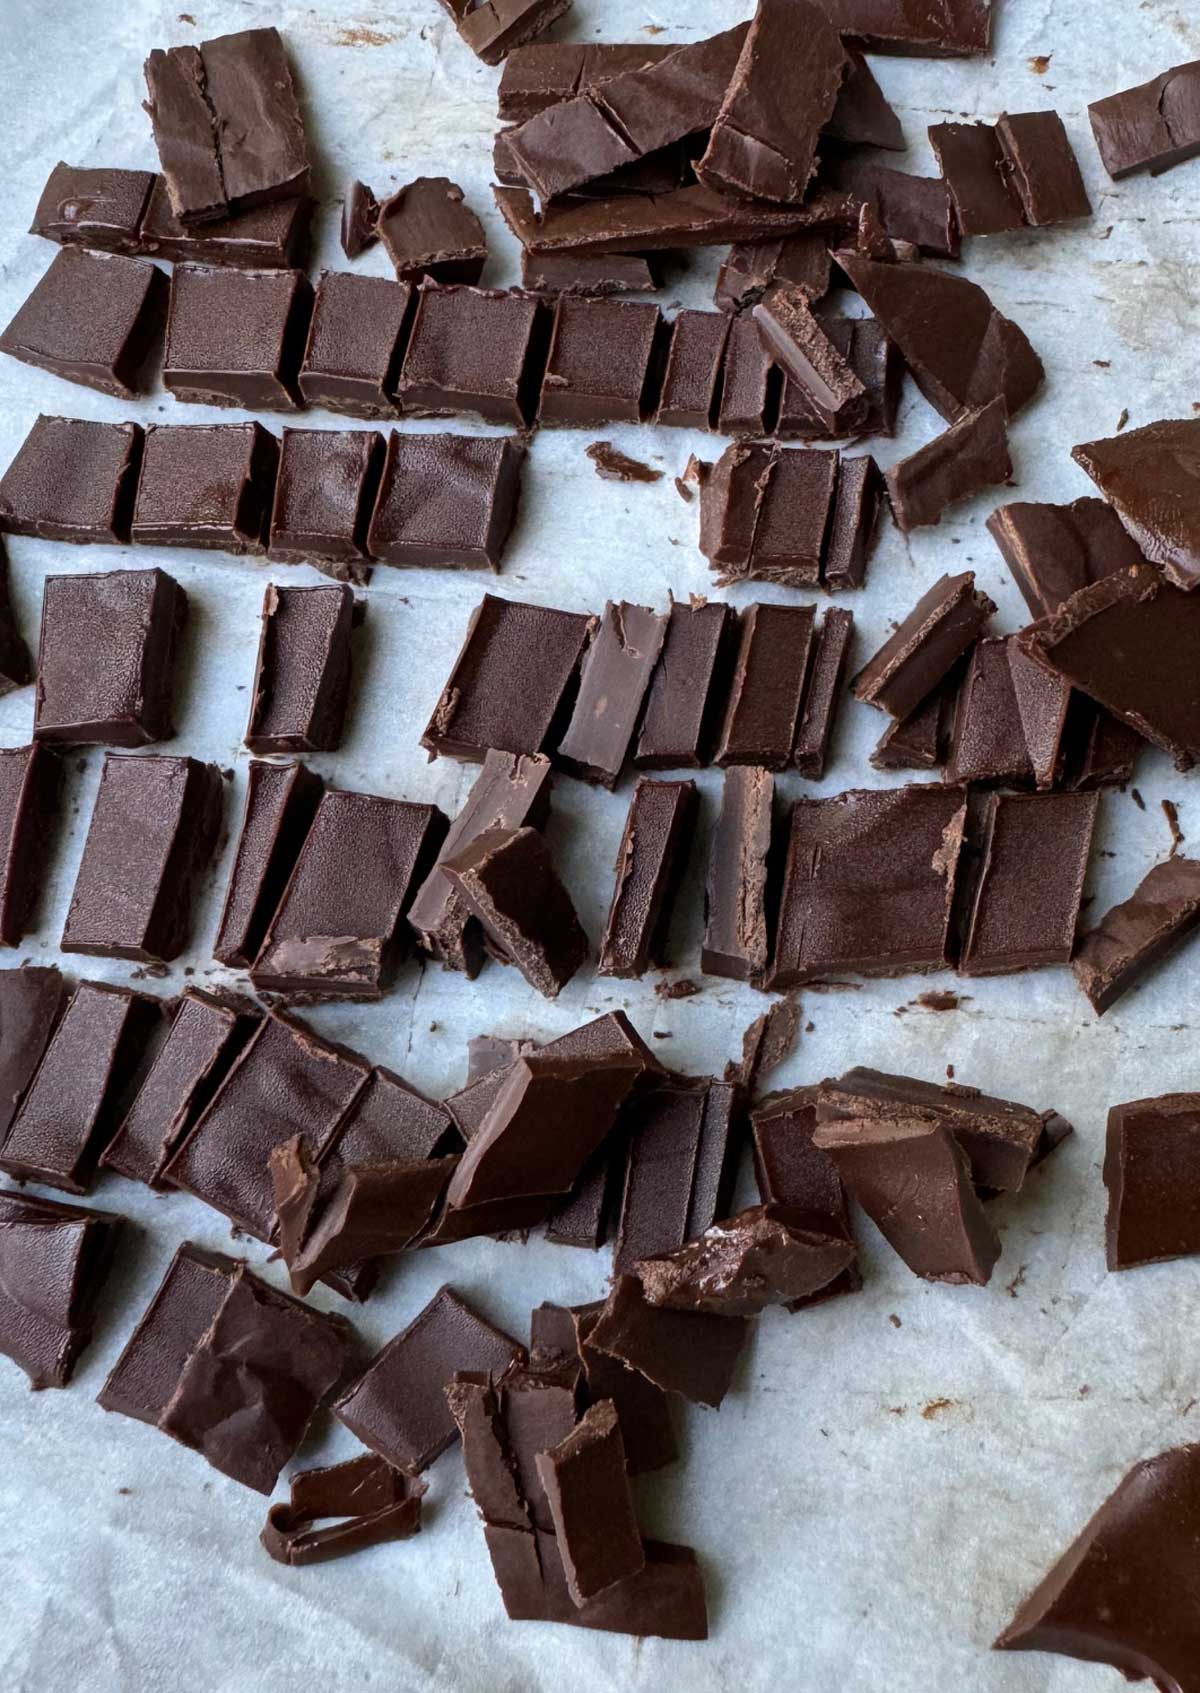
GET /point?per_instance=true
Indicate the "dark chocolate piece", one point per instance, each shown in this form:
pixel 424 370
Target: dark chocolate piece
pixel 617 668
pixel 683 1145
pixel 1041 167
pixel 765 513
pixel 644 1409
pixel 692 378
pixel 236 337
pixel 591 1504
pixel 281 801
pixel 30 787
pixel 101 209
pixel 339 928
pixel 546 72
pixel 474 1399
pixel 1044 706
pixel 766 1042
pixel 767 692
pixel 801 260
pixel 267 237
pixel 77 1093
pixel 32 999
pixel 474 350
pixel 551 274
pixel 446 502
pixel 374 1503
pixel 751 382
pixel 1053 551
pixel 1151 477
pixel 356 343
pixel 1133 938
pixel 302 674
pixel 1150 1168
pixel 93 318
pixel 55 1260
pixel 686 1352
pixel 869 884
pixel 968 457
pixel 106 658
pixel 862 116
pixel 917 210
pixel 612 465
pixel 797 339
pixel 187 1300
pixel 539 1407
pixel 324 497
pixel 427 229
pixel 737 937
pixel 227 124
pixel 853 523
pixel 921 740
pixel 1151 127
pixel 917 656
pixel 72 480
pixel 664 1600
pixel 687 692
pixel 511 683
pixel 603 361
pixel 972 162
pixel 360 220
pixel 153 832
pixel 493 28
pixel 794 1174
pixel 508 882
pixel 936 28
pixel 763 1256
pixel 822 695
pixel 206 485
pixel 650 864
pixel 988 743
pixel 1026 904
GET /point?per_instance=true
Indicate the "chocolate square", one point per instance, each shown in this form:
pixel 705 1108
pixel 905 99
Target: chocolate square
pixel 30 785
pixel 474 350
pixel 356 343
pixel 603 361
pixel 325 494
pixel 95 319
pixel 236 337
pixel 446 501
pixel 302 675
pixel 206 485
pixel 72 480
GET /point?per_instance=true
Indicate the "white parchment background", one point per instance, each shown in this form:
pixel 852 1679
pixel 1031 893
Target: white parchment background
pixel 892 1472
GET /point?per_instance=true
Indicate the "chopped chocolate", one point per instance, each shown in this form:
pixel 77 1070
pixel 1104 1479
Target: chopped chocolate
pixel 428 229
pixel 153 832
pixel 227 124
pixel 1026 904
pixel 968 457
pixel 30 787
pixel 356 343
pixel 650 864
pixel 206 485
pixel 765 513
pixel 1151 477
pixel 860 345
pixel 765 699
pixel 1041 167
pixel 374 1502
pixel 822 694
pixel 93 318
pixel 1105 750
pixel 972 162
pixel 302 673
pixel 737 936
pixel 617 668
pixel 644 1409
pixel 936 28
pixel 474 1400
pixel 236 337
pixel 77 1094
pixel 869 884
pixel 390 1122
pixel 763 1256
pixel 1044 707
pixel 544 73
pixel 750 382
pixel 207 1033
pixel 129 623
pixel 339 929
pixel 1134 937
pixel 988 743
pixel 591 1504
pixel 550 274
pixel 446 501
pixel 268 237
pixel 493 28
pixel 853 523
pixel 1151 127
pixel 687 692
pixel 1053 551
pixel 56 1260
pixel 1150 1168
pixel 692 379
pixel 766 1042
pixel 802 261
pixel 797 339
pixel 912 661
pixel 32 999
pixel 664 1600
pixel 474 350
pixel 612 465
pixel 686 1352
pixel 921 740
pixel 603 361
pixel 512 682
pixel 681 1166
pixel 324 496
pixel 539 1407
pixel 281 801
pixel 72 480
pixel 797 1177
pixel 961 351
pixel 360 220
pixel 917 210
pixel 507 881
pixel 101 209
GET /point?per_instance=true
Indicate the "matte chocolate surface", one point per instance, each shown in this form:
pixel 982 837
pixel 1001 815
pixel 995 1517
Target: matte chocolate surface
pixel 1042 169
pixel 972 162
pixel 153 832
pixel 822 695
pixel 797 339
pixel 446 501
pixel 372 1502
pixel 614 678
pixel 1026 905
pixel 687 692
pixel 106 658
pixel 1133 938
pixel 918 210
pixel 750 382
pixel 603 361
pixel 1151 477
pixel 921 740
pixel 236 337
pixel 267 237
pixel 427 229
pixel 1053 551
pixel 691 386
pixel 686 1352
pixel 651 860
pixel 360 220
pixel 356 342
pixel 862 116
pixel 281 801
pixel 937 28
pixel 492 28
pixel 591 1504
pixel 988 743
pixel 508 882
pixel 302 674
pixel 55 1260
pixel 539 1407
pixel 206 485
pixel 802 261
pixel 552 274
pixel 324 497
pixel 684 1138
pixel 1047 709
pixel 72 480
pixel 32 999
pixel 767 691
pixel 791 533
pixel 93 318
pixel 967 458
pixel 916 657
pixel 1151 127
pixel 737 937
pixel 763 1256
pixel 30 787
pixel 101 209
pixel 853 523
pixel 1151 1162
pixel 475 350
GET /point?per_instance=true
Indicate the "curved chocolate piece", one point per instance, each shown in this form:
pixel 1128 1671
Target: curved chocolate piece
pixel 54 1260
pixel 1133 938
pixel 1151 477
pixel 763 1256
pixel 375 1502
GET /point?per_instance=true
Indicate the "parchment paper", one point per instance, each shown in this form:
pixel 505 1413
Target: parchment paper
pixel 892 1472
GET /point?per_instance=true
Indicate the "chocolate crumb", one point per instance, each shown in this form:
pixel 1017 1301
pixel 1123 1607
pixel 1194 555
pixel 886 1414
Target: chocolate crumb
pixel 1102 364
pixel 1137 799
pixel 895 1321
pixel 1123 419
pixel 683 489
pixel 1171 813
pixel 941 999
pixel 681 989
pixel 935 1407
pixel 615 466
pixel 1039 64
pixel 949 1072
pixel 1017 1282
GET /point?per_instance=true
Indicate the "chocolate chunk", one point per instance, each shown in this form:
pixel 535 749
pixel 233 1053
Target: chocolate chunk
pixel 30 788
pixel 664 1600
pixel 1026 904
pixel 446 501
pixel 493 28
pixel 801 260
pixel 427 229
pixel 1053 551
pixel 603 361
pixel 1149 1171
pixel 1102 752
pixel 862 116
pixel 687 691
pixel 691 387
pixel 474 1401
pixel 1133 938
pixel 236 337
pixel 683 1145
pixel 78 1092
pixel 374 1502
pixel 590 1501
pixel 1119 1594
pixel 1151 127
pixel 616 673
pixel 736 933
pixel 937 28
pixel 101 209
pixel 129 623
pixel 544 73
pixel 853 523
pixel 763 714
pixel 55 1259
pixel 551 274
pixel 1041 167
pixel 970 456
pixel 360 220
pixel 796 1176
pixel 302 674
pixel 766 1042
pixel 763 1256
pixel 508 882
pixel 390 1122
pixel 227 124
pixel 643 1409
pixel 152 834
pixel 865 350
pixel 921 740
pixel 918 210
pixel 269 237
pixel 539 1407
pixel 32 999
pixel 398 1407
pixel 988 743
pixel 324 496
pixel 970 158
pixel 765 513
pixel 187 1300
pixel 93 318
pixel 750 383
pixel 207 1033
pixel 650 864
pixel 512 682
pixel 796 338
pixel 72 480
pixel 869 884
pixel 686 1352
pixel 961 351
pixel 822 694
pixel 474 350
pixel 206 485
pixel 612 465
pixel 356 343
pixel 1151 477
pixel 281 801
pixel 1044 706
pixel 912 661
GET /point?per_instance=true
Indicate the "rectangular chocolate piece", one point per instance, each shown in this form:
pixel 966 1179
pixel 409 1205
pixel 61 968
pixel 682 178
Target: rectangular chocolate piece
pixel 769 679
pixel 616 673
pixel 798 341
pixel 687 691
pixel 909 665
pixel 686 1352
pixel 551 274
pixel 339 928
pixel 602 366
pixel 1150 1171
pixel 236 337
pixel 93 318
pixel 32 999
pixel 965 459
pixel 1049 726
pixel 1026 903
pixel 1151 127
pixel 853 524
pixel 427 229
pixel 1053 551
pixel 56 1261
pixel 268 237
pixel 325 494
pixel 77 1094
pixel 971 161
pixel 988 743
pixel 142 1381
pixel 475 350
pixel 511 791
pixel 822 695
pixel 30 786
pixel 737 935
pixel 935 28
pixel 356 342
pixel 512 683
pixel 16 666
pixel 680 1168
pixel 281 801
pixel 691 387
pixel 72 480
pixel 1041 167
pixel 446 501
pixel 869 883
pixel 750 382
pixel 793 521
pixel 106 658
pixel 1133 938
pixel 101 209
pixel 153 832
pixel 227 124
pixel 302 674
pixel 206 485
pixel 509 883
pixel 587 1487
pixel 665 1600
pixel 651 861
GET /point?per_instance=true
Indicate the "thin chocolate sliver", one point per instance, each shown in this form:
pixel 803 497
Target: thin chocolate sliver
pixel 650 863
pixel 614 679
pixel 768 686
pixel 818 714
pixel 736 930
pixel 281 801
pixel 508 882
pixel 32 999
pixel 30 788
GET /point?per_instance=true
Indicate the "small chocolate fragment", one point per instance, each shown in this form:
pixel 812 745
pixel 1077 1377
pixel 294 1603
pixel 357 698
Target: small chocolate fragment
pixel 853 523
pixel 1026 904
pixel 818 714
pixel 767 692
pixel 360 220
pixel 508 882
pixel 798 1177
pixel 1134 937
pixel 917 210
pixel 549 274
pixel 356 343
pixel 921 740
pixel 968 457
pixel 1151 127
pixel 862 116
pixel 1041 166
pixel 493 28
pixel 428 229
pixel 587 1487
pixel 912 661
pixel 30 787
pixel 686 1352
pixel 617 668
pixel 474 350
pixel 101 209
pixel 869 884
pixel 512 682
pixel 970 159
pixel 474 1400
pixel 72 480
pixel 236 337
pixel 650 864
pixel 988 743
pixel 1044 706
pixel 152 834
pixel 206 485
pixel 375 1503
pixel 612 465
pixel 687 691
pixel 737 936
pixel 683 1145
pixel 766 1042
pixel 32 999
pixel 644 1409
pixel 935 28
pixel 763 1256
pixel 281 802
pixel 801 260
pixel 446 502
pixel 603 361
pixel 324 497
pixel 93 318
pixel 302 673
pixel 268 237
pixel 691 387
pixel 1151 477
pixel 129 623
pixel 77 1094
pixel 54 1261
pixel 1150 1168
pixel 797 339
pixel 16 668
pixel 1053 551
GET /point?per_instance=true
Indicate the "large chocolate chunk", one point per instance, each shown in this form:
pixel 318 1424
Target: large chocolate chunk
pixel 1039 161
pixel 968 457
pixel 98 208
pixel 302 674
pixel 281 801
pixel 767 691
pixel 94 318
pixel 1151 127
pixel 268 237
pixel 236 337
pixel 616 673
pixel 72 480
pixel 1134 937
pixel 474 350
pixel 686 1352
pixel 794 1174
pixel 324 497
pixel 1053 551
pixel 32 999
pixel 651 860
pixel 916 657
pixel 688 689
pixel 356 343
pixel 1026 904
pixel 508 882
pixel 1151 1164
pixel 54 1261
pixel 1151 477
pixel 763 1256
pixel 30 787
pixel 971 161
pixel 737 938
pixel 914 209
pixel 680 1168
pixel 446 502
pixel 936 28
pixel 427 229
pixel 206 485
